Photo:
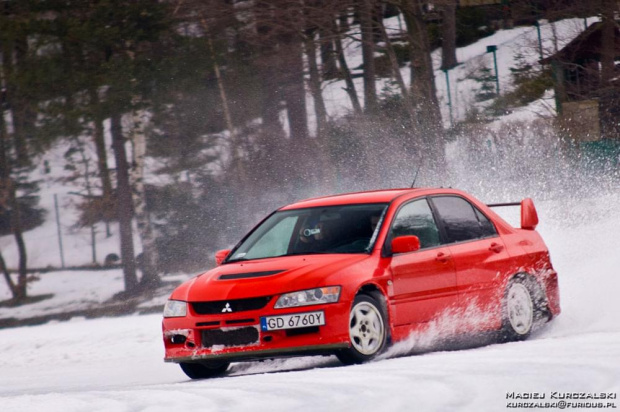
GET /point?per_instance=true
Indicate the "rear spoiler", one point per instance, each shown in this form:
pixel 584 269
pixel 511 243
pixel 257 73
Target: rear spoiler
pixel 529 216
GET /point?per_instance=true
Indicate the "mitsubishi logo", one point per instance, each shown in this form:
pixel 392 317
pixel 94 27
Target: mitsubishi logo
pixel 227 308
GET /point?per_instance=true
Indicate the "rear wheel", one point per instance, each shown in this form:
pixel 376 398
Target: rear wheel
pixel 522 308
pixel 367 331
pixel 204 370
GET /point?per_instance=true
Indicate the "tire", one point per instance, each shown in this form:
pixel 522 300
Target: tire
pixel 523 307
pixel 367 331
pixel 204 370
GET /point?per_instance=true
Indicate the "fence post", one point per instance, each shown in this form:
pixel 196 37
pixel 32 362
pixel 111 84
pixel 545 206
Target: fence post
pixel 493 49
pixel 62 255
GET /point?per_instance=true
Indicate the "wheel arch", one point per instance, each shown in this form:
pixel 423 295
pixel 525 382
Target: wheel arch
pixel 541 301
pixel 377 292
pixel 541 296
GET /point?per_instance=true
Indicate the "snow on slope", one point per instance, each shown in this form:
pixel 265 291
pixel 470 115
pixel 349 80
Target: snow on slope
pixel 42 242
pixel 116 364
pixel 72 290
pixel 522 40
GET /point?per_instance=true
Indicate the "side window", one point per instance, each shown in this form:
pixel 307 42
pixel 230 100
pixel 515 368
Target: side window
pixel 416 219
pixel 488 229
pixel 461 220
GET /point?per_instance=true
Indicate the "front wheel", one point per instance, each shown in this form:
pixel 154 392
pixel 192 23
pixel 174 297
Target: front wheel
pixel 204 370
pixel 367 331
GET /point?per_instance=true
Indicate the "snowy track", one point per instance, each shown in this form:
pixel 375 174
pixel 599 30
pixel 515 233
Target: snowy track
pixel 116 364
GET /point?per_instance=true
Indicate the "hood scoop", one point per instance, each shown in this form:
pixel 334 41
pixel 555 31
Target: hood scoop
pixel 247 275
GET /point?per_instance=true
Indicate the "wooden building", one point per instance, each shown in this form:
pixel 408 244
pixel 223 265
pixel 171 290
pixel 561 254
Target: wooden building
pixel 589 108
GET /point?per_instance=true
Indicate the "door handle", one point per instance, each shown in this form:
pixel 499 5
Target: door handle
pixel 442 257
pixel 496 247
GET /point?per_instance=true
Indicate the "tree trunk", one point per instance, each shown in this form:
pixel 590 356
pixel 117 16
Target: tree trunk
pixel 291 66
pixel 315 86
pixel 4 157
pixel 124 209
pixel 150 259
pixel 294 87
pixel 5 197
pixel 99 140
pixel 448 36
pixel 16 228
pixel 368 56
pixel 423 92
pixel 23 115
pixel 394 62
pixel 89 192
pixel 7 277
pixel 346 73
pixel 270 76
pixel 19 290
pixel 13 102
pixel 608 41
pixel 328 60
pixel 343 21
pixel 236 163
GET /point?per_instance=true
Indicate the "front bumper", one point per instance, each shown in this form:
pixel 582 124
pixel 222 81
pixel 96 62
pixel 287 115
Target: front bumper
pixel 190 338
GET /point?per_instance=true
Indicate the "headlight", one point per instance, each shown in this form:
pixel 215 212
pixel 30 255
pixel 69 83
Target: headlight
pixel 175 309
pixel 316 296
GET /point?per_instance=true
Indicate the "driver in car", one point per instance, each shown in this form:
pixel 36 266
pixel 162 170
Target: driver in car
pixel 317 238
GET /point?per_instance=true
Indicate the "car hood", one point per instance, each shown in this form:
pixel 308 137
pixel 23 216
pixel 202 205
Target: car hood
pixel 264 277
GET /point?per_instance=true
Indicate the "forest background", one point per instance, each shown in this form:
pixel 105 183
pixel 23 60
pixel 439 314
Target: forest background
pixel 223 101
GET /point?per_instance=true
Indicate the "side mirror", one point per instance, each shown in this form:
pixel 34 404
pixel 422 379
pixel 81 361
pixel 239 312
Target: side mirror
pixel 529 217
pixel 220 255
pixel 404 244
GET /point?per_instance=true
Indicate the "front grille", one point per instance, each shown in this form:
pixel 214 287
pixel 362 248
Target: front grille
pixel 238 321
pixel 222 307
pixel 214 323
pixel 231 337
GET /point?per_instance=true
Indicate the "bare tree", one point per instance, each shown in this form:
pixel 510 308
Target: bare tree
pixel 448 34
pixel 366 9
pixel 149 262
pixel 608 52
pixel 344 68
pixel 315 83
pixel 423 92
pixel 124 206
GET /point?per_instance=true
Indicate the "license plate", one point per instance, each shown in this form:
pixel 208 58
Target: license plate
pixel 297 320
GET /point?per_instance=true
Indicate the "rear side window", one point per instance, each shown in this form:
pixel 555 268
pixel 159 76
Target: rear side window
pixel 416 219
pixel 485 224
pixel 461 220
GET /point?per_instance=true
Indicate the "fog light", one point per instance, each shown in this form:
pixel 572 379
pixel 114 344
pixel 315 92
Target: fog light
pixel 178 339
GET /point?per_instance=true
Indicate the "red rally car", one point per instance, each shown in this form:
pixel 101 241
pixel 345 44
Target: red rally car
pixel 350 273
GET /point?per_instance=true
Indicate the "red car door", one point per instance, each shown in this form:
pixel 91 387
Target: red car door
pixel 479 254
pixel 424 281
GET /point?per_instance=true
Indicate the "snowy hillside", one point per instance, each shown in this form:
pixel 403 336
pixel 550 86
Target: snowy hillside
pixel 522 40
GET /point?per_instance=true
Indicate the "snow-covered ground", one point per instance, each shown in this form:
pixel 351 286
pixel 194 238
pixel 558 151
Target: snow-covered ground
pixel 115 364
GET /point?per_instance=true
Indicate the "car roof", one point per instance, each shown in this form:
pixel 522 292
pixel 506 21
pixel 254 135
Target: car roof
pixel 373 196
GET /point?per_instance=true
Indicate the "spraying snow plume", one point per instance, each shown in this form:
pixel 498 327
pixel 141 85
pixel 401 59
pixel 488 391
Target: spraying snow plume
pixel 442 330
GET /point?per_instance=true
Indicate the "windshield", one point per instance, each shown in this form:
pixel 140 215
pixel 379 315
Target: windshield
pixel 333 229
